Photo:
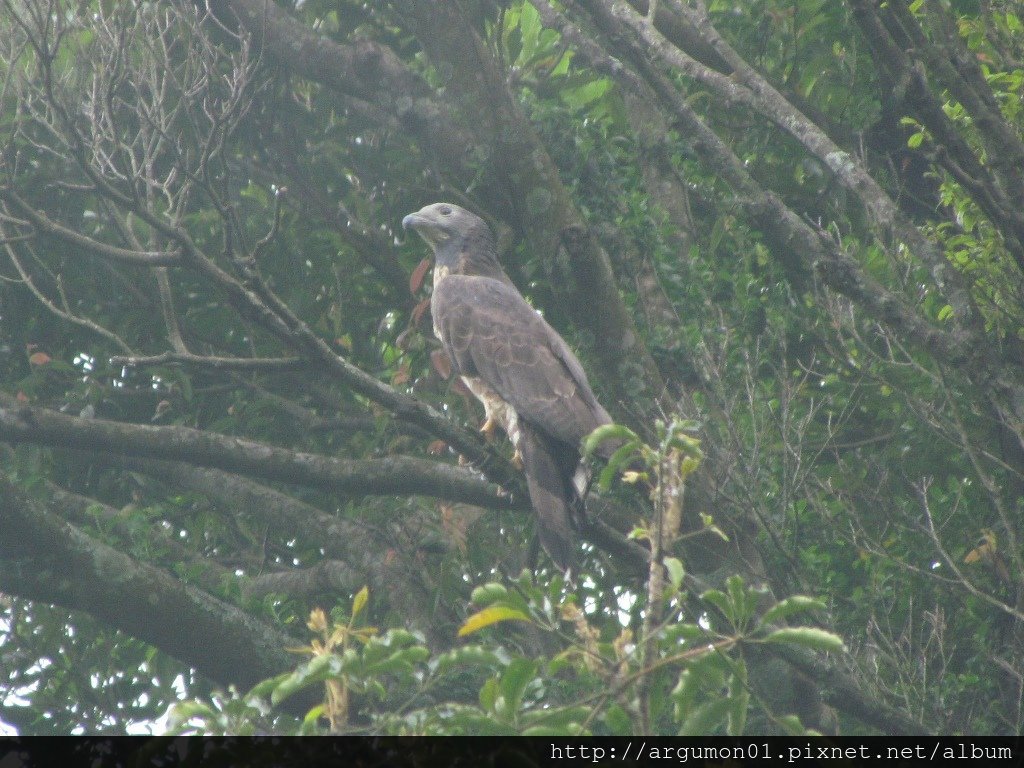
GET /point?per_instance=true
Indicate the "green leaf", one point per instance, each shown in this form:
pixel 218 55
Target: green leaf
pixel 489 694
pixel 792 725
pixel 674 566
pixel 311 721
pixel 563 65
pixel 809 637
pixel 264 688
pixel 740 697
pixel 619 460
pixel 469 656
pixel 573 729
pixel 481 725
pixel 790 606
pixel 684 632
pixel 563 718
pixel 359 602
pixel 738 597
pixel 316 670
pixel 578 98
pixel 514 681
pixel 529 31
pixel 489 616
pixel 707 672
pixel 606 432
pixel 186 710
pixel 707 718
pixel 721 601
pixel 488 593
pixel 686 443
pixel 617 721
pixel 389 666
pixel 396 638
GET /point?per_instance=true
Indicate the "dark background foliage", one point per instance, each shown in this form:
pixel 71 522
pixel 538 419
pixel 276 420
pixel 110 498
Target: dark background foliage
pixel 799 225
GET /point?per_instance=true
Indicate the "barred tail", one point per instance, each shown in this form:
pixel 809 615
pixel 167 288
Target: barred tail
pixel 551 469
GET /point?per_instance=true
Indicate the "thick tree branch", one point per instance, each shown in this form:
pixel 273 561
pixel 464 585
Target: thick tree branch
pixel 83 512
pixel 365 69
pixel 748 87
pixel 959 69
pixel 388 476
pixel 46 559
pixel 838 689
pixel 798 247
pixel 383 557
pixel 328 577
pixel 909 89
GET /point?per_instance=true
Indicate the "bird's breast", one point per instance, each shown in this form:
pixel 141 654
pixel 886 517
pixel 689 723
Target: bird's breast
pixel 440 273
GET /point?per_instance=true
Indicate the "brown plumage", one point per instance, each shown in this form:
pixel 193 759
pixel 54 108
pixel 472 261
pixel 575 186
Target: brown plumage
pixel 530 382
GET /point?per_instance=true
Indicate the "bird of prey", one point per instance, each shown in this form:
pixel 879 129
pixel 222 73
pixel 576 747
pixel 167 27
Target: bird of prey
pixel 529 381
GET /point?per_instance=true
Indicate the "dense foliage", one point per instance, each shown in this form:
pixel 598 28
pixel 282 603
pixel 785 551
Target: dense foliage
pixel 237 478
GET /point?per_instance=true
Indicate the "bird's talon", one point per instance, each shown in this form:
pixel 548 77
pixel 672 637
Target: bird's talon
pixel 487 430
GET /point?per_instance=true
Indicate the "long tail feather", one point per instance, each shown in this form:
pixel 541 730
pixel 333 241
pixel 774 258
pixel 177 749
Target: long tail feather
pixel 550 470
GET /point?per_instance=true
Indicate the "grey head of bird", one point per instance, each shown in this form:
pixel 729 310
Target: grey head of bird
pixel 461 241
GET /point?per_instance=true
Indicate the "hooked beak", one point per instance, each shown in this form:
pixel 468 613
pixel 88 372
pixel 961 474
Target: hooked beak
pixel 424 226
pixel 412 221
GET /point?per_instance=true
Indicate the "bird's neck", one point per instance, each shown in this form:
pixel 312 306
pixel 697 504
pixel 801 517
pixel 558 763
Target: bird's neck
pixel 468 257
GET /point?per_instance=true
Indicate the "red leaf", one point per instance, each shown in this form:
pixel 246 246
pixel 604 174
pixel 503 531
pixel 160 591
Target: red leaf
pixel 437 447
pixel 418 310
pixel 416 279
pixel 38 358
pixel 21 397
pixel 441 363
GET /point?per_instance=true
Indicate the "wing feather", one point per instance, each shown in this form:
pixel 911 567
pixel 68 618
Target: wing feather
pixel 490 331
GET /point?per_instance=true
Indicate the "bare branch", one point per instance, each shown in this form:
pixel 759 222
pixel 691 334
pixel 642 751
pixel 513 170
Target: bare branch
pixel 387 476
pixel 70 236
pixel 266 364
pixel 64 314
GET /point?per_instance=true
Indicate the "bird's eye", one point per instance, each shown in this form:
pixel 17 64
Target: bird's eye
pixel 446 210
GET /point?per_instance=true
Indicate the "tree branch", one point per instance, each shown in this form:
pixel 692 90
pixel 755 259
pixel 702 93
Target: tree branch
pixel 124 255
pixel 397 476
pixel 248 364
pixel 365 69
pixel 46 559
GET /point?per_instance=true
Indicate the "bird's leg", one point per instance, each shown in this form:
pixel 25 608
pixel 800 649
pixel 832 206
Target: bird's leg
pixel 487 430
